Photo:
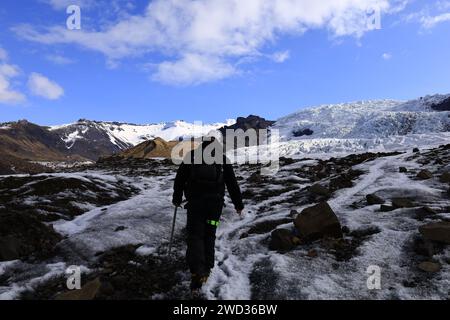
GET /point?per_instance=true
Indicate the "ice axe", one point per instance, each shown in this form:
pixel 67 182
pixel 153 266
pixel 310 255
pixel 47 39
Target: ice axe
pixel 173 229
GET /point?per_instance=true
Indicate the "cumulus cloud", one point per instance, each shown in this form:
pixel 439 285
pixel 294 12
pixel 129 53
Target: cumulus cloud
pixel 7 94
pixel 193 69
pixel 41 86
pixel 214 32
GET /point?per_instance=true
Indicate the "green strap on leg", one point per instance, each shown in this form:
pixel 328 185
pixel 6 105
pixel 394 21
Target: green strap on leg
pixel 213 222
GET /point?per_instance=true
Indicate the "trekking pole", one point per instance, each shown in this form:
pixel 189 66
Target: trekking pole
pixel 173 229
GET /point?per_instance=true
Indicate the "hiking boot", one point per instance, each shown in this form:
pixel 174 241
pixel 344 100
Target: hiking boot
pixel 197 281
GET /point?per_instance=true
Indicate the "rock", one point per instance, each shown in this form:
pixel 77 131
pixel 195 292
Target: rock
pixel 312 253
pixel 424 175
pixel 403 170
pixel 319 190
pixel 88 292
pixel 365 232
pixel 386 208
pixel 9 248
pixel 374 199
pixel 287 161
pixel 438 231
pixel 445 177
pixel 402 203
pixel 293 213
pixel 429 266
pixel 317 222
pixel 415 150
pixel 424 212
pixel 281 240
pixel 255 177
pixel 119 228
pixel 424 247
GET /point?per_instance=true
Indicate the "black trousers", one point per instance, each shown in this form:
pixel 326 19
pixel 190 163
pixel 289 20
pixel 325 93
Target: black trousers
pixel 201 237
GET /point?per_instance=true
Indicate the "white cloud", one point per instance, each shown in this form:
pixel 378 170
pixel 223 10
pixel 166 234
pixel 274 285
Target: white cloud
pixel 386 56
pixel 281 56
pixel 217 32
pixel 429 22
pixel 193 69
pixel 7 94
pixel 42 86
pixel 60 60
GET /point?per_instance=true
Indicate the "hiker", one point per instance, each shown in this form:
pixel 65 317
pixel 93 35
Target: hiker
pixel 204 188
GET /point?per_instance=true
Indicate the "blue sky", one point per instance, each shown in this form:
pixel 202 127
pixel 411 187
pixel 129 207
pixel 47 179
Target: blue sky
pixel 162 60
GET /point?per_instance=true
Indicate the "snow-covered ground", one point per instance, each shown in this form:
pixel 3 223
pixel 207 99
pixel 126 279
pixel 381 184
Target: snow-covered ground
pixel 245 267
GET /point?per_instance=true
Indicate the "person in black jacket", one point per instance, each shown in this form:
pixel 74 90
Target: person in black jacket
pixel 204 188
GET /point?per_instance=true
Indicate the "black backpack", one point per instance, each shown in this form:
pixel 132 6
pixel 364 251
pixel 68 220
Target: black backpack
pixel 206 180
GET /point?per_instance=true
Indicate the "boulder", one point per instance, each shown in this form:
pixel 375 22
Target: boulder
pixel 317 222
pixel 255 177
pixel 424 212
pixel 374 199
pixel 445 177
pixel 281 240
pixel 402 203
pixel 428 266
pixel 386 208
pixel 319 190
pixel 88 292
pixel 424 175
pixel 437 231
pixel 403 170
pixel 415 150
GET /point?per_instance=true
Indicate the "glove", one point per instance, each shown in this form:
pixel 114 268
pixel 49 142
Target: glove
pixel 176 203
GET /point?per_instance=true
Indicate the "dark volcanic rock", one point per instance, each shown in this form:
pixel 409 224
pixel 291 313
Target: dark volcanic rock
pixel 403 170
pixel 281 240
pixel 374 199
pixel 265 226
pixel 386 208
pixel 429 266
pixel 302 132
pixel 317 222
pixel 442 106
pixel 424 175
pixel 439 231
pixel 251 122
pixel 402 203
pixel 445 177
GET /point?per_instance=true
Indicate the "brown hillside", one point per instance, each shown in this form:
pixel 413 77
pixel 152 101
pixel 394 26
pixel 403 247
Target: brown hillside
pixel 157 148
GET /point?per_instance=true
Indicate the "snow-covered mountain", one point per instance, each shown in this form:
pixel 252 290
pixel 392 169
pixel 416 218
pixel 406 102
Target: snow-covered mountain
pixel 125 135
